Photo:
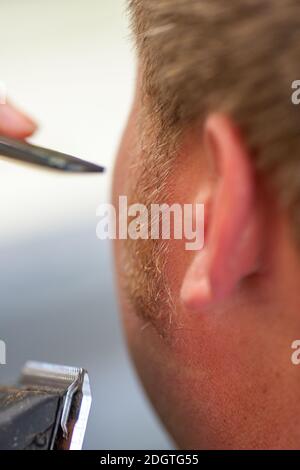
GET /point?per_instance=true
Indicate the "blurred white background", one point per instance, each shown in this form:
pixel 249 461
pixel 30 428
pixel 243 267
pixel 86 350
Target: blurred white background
pixel 70 64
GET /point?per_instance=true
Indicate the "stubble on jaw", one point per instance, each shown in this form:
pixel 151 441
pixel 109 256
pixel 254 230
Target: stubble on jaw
pixel 143 276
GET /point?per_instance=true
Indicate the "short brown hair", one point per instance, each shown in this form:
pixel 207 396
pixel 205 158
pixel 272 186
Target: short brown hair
pixel 238 57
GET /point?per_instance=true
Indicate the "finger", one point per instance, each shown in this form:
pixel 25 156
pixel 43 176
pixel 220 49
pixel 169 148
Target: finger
pixel 14 123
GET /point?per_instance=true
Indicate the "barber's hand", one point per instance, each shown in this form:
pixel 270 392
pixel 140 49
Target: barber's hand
pixel 14 123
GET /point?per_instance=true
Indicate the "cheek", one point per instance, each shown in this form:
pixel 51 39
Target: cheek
pixel 122 180
pixel 122 173
pixel 120 176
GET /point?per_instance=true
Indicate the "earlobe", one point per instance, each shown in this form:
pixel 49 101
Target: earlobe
pixel 233 243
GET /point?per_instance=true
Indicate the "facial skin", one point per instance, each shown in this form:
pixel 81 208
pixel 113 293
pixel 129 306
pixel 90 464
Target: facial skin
pixel 216 359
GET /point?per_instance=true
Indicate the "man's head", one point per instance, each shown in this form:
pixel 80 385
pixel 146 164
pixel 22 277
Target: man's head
pixel 213 123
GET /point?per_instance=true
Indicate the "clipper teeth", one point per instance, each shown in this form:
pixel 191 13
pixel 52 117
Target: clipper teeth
pixel 58 376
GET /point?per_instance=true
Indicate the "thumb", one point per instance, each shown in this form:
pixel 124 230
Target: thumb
pixel 14 123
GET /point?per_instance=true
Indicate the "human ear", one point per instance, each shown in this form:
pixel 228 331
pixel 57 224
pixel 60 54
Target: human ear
pixel 233 242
